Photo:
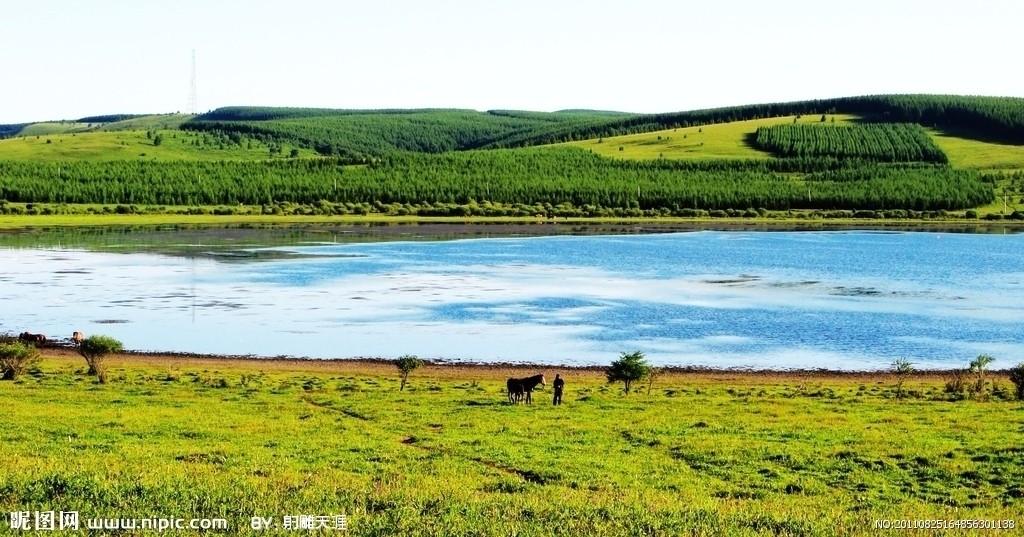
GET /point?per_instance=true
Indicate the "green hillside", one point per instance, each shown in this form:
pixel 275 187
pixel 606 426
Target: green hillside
pixel 919 154
pixel 120 145
pixel 149 122
pixel 718 141
pixel 999 119
pixel 364 133
pixel 114 122
pixel 53 127
pixel 878 142
pixel 374 133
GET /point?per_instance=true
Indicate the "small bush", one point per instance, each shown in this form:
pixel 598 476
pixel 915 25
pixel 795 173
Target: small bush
pixel 956 386
pixel 94 349
pixel 1017 378
pixel 16 358
pixel 903 370
pixel 978 367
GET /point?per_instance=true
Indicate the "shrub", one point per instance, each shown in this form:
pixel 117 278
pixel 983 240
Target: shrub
pixel 16 358
pixel 1017 378
pixel 957 384
pixel 903 369
pixel 652 375
pixel 977 367
pixel 94 349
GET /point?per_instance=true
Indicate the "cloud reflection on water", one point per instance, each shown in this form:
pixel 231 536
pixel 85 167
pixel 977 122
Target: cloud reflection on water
pixel 781 300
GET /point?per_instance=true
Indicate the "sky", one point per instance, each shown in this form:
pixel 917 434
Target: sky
pixel 66 59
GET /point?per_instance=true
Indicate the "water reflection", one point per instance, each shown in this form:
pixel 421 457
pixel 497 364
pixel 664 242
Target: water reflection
pixel 842 300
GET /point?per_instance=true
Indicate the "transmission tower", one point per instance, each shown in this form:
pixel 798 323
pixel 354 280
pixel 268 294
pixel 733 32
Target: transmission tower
pixel 193 95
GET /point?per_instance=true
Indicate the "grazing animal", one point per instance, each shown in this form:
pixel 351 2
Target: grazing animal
pixel 35 339
pixel 76 338
pixel 519 387
pixel 515 391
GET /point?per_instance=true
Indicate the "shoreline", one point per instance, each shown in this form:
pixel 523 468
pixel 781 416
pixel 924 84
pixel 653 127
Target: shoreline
pixel 25 222
pixel 477 370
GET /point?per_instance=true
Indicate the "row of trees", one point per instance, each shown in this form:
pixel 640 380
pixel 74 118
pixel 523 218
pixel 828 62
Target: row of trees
pixel 537 176
pixel 359 134
pixel 881 142
pixel 109 118
pixel 1000 118
pixel 11 129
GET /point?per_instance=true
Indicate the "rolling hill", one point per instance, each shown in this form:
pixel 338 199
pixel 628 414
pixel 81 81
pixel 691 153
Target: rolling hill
pixel 917 153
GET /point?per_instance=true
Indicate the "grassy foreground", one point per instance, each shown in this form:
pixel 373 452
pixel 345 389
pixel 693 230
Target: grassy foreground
pixel 702 454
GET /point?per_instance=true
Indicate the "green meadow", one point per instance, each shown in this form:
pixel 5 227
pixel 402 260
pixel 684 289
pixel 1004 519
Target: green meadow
pixel 54 127
pixel 980 155
pixel 884 157
pixel 697 454
pixel 719 141
pixel 145 122
pixel 119 145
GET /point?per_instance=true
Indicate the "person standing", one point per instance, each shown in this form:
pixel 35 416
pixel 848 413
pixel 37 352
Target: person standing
pixel 559 385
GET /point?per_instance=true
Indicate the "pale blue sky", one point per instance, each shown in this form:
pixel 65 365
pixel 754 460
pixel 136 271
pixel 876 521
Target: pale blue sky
pixel 64 59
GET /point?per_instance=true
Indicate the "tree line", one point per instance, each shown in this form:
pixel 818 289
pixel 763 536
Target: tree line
pixel 109 118
pixel 11 129
pixel 880 142
pixel 361 134
pixel 374 133
pixel 999 118
pixel 532 176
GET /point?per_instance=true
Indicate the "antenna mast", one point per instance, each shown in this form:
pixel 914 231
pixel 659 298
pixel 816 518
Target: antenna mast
pixel 193 95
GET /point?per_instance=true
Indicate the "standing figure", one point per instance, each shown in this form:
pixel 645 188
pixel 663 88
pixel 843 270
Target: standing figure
pixel 559 385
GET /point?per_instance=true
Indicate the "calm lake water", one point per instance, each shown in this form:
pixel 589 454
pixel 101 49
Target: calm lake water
pixel 837 300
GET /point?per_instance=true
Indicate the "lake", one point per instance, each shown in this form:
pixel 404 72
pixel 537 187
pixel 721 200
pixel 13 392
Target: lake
pixel 852 300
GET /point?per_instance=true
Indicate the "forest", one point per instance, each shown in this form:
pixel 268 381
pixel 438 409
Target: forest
pixel 989 118
pixel 11 129
pixel 880 142
pixel 369 133
pixel 361 134
pixel 417 159
pixel 553 176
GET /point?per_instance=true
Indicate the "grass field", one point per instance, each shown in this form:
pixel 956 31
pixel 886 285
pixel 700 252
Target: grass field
pixel 54 127
pixel 980 155
pixel 127 140
pixel 153 122
pixel 129 145
pixel 987 156
pixel 702 454
pixel 720 141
